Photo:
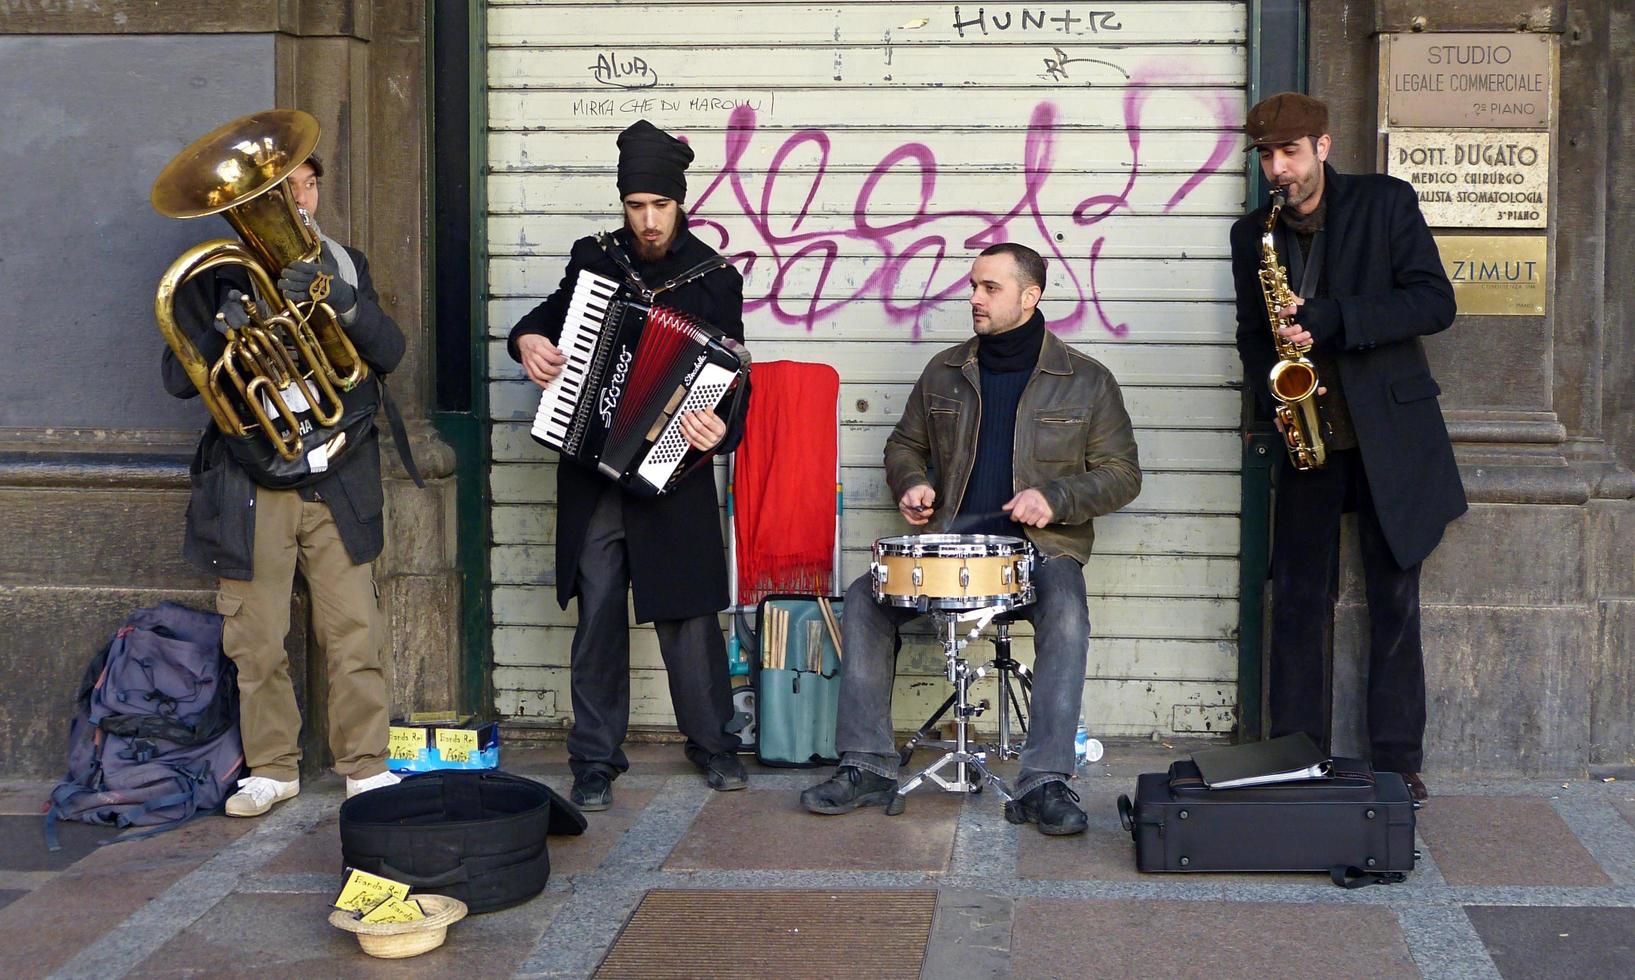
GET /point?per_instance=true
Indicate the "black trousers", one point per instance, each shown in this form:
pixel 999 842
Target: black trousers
pixel 695 657
pixel 1305 585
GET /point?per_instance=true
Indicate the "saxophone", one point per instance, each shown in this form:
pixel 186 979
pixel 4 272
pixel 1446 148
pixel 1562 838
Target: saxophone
pixel 1294 378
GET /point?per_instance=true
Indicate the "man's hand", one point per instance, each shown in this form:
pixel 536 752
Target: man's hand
pixel 704 430
pixel 540 358
pixel 1294 331
pixel 915 504
pixel 1029 507
pixel 232 314
pixel 296 281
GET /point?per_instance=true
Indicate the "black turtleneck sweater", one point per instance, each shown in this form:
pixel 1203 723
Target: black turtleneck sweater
pixel 1005 362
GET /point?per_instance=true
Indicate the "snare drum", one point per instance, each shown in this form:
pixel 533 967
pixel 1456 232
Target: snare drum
pixel 953 571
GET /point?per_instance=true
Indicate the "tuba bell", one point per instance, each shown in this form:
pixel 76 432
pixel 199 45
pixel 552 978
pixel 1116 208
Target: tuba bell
pixel 290 353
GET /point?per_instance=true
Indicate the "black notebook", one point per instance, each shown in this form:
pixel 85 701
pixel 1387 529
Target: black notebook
pixel 1279 760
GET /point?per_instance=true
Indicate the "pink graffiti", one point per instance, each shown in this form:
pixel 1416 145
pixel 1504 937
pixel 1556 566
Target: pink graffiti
pixel 924 236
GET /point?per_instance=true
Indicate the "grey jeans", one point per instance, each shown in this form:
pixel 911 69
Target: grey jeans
pixel 1061 624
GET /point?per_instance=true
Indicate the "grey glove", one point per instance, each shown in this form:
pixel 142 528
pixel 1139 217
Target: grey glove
pixel 295 282
pixel 232 314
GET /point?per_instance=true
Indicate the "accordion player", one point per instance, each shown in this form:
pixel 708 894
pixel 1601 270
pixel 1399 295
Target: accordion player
pixel 633 369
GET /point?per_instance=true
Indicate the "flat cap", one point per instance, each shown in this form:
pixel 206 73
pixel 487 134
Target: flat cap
pixel 1286 117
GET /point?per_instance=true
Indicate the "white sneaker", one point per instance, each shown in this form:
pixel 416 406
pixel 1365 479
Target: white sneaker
pixel 257 794
pixel 356 786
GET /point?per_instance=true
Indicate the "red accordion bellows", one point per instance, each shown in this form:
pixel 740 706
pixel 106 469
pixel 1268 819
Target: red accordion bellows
pixel 784 481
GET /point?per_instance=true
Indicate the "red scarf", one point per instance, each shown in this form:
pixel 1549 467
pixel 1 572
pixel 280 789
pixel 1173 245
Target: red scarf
pixel 784 481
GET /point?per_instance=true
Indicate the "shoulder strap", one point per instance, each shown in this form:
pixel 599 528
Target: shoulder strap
pixel 704 268
pixel 400 435
pixel 616 252
pixel 1354 877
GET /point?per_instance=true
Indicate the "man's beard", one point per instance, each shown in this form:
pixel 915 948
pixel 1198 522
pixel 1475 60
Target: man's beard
pixel 653 250
pixel 1301 192
pixel 989 326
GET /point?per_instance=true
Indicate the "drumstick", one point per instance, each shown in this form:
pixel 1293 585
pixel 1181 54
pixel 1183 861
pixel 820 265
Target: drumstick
pixel 779 629
pixel 827 608
pixel 769 642
pixel 814 646
pixel 973 520
pixel 772 639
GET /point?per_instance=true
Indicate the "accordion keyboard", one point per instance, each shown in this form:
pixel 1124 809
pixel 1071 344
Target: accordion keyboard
pixel 581 330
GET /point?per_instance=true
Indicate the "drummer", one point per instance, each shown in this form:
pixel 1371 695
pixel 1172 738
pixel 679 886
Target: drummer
pixel 1010 433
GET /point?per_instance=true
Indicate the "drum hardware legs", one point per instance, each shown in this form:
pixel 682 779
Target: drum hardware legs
pixel 1017 702
pixel 970 762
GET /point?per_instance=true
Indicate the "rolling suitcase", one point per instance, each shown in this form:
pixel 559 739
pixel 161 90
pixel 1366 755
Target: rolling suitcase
pixel 1357 825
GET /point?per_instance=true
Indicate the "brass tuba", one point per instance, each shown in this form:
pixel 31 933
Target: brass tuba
pixel 1294 378
pixel 238 171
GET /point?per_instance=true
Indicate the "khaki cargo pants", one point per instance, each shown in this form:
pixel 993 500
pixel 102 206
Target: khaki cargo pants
pixel 292 533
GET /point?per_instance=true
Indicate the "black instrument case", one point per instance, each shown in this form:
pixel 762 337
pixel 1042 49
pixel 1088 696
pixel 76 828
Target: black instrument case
pixel 1358 824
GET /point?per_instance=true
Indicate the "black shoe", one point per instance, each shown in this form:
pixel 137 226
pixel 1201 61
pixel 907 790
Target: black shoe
pixel 1052 806
pixel 724 772
pixel 1416 786
pixel 848 789
pixel 592 791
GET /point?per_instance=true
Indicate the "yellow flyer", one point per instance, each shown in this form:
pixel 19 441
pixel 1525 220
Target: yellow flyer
pixel 456 744
pixel 404 743
pixel 363 891
pixel 395 910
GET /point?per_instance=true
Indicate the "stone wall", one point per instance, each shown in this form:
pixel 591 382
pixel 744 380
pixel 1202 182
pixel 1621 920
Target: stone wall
pixel 91 518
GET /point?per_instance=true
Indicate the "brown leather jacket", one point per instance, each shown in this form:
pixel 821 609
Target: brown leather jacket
pixel 1074 443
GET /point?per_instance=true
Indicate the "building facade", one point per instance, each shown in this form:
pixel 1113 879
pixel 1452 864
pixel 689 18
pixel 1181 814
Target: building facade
pixel 851 158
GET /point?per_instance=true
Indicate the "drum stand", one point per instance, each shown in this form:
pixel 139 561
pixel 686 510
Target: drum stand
pixel 971 770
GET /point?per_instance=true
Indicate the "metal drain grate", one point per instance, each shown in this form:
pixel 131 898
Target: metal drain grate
pixel 785 934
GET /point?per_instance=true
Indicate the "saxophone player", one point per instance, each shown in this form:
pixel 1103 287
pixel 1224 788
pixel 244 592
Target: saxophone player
pixel 1365 285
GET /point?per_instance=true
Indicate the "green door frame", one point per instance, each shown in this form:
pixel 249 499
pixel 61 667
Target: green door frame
pixel 1277 63
pixel 457 123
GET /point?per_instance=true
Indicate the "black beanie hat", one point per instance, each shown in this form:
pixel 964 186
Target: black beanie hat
pixel 652 161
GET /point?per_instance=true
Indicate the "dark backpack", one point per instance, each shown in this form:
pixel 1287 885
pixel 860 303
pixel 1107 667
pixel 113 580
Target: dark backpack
pixel 154 740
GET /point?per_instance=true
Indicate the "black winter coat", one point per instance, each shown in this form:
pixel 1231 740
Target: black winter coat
pixel 1386 289
pixel 678 567
pixel 220 537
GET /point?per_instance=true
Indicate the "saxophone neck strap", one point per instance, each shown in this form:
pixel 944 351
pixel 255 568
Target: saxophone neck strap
pixel 1305 268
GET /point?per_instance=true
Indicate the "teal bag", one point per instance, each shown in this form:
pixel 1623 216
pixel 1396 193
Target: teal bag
pixel 797 682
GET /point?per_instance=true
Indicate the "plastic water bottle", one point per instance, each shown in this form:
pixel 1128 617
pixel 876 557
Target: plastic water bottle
pixel 1086 750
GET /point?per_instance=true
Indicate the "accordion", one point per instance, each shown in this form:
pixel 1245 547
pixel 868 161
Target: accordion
pixel 632 371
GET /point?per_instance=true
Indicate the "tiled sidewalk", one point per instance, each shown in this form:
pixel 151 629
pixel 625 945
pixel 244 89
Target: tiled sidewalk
pixel 1519 879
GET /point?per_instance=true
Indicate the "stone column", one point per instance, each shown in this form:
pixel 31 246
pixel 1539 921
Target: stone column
pixel 1530 651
